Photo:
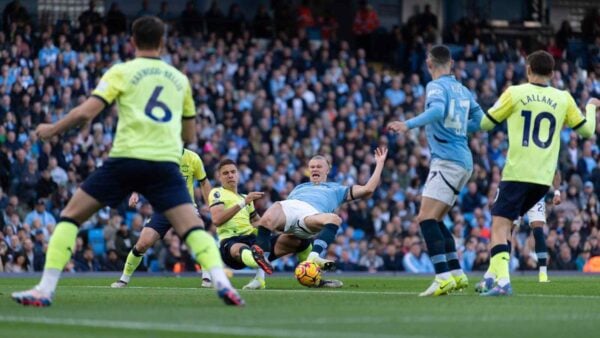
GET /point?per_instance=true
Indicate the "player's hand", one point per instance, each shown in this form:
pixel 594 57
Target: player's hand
pixel 381 155
pixel 133 200
pixel 253 196
pixel 556 200
pixel 594 101
pixel 397 127
pixel 45 131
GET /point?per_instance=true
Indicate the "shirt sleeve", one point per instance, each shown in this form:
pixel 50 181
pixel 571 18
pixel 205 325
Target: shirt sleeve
pixel 435 94
pixel 214 198
pixel 111 85
pixel 499 112
pixel 475 116
pixel 189 108
pixel 199 171
pixel 341 192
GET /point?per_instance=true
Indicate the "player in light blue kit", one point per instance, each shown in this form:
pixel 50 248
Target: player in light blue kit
pixel 309 209
pixel 451 112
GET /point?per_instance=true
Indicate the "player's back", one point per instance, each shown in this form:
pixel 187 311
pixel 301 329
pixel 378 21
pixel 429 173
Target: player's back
pixel 447 137
pixel 152 97
pixel 536 114
pixel 325 196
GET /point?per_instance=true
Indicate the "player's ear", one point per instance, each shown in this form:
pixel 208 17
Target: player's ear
pixel 132 40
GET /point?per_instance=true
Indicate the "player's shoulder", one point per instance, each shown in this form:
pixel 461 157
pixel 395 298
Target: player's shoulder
pixel 217 194
pixel 435 88
pixel 190 156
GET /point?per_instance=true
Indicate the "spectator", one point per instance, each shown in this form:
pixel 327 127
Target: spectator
pixel 371 262
pixel 191 20
pixel 115 20
pixel 124 242
pixel 88 263
pixel 392 259
pixel 564 261
pixel 90 17
pixel 416 261
pixel 112 262
pixel 262 23
pixel 14 14
pixel 365 23
pixel 39 213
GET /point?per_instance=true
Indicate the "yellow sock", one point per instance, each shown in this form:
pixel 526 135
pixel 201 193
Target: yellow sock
pixel 205 250
pixel 131 264
pixel 248 259
pixel 500 265
pixel 303 255
pixel 61 246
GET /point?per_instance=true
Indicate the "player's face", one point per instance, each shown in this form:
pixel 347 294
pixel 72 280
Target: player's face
pixel 318 170
pixel 228 176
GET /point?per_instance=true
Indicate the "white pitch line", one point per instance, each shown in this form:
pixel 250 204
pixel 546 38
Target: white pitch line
pixel 330 292
pixel 196 328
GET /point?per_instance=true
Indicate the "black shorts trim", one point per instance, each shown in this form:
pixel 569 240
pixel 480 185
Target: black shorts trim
pixel 516 198
pixel 225 249
pixel 489 116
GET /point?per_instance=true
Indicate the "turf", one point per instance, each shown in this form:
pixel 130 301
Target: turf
pixel 365 307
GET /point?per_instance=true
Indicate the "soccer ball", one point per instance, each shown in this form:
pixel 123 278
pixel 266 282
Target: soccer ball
pixel 308 274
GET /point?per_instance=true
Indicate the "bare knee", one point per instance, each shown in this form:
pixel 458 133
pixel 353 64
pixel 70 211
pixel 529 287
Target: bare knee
pixel 269 219
pixel 333 219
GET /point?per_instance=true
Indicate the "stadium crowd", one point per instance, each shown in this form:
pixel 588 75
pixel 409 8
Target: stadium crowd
pixel 269 98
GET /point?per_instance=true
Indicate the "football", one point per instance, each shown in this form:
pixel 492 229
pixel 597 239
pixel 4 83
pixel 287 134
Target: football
pixel 308 274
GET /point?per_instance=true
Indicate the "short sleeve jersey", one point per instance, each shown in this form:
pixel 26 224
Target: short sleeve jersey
pixel 325 197
pixel 535 114
pixel 239 224
pixel 192 168
pixel 152 98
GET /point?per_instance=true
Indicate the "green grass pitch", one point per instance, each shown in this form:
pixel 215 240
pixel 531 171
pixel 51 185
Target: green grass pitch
pixel 365 307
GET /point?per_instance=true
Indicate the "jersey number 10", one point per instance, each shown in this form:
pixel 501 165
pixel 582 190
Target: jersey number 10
pixel 535 136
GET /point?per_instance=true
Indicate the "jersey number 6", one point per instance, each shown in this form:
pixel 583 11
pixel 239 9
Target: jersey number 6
pixel 154 103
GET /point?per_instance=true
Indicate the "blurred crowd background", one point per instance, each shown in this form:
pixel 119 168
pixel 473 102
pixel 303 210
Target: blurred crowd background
pixel 273 88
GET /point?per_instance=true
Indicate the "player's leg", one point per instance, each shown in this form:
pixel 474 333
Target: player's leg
pixel 537 220
pixel 327 226
pixel 461 279
pixel 148 237
pixel 273 219
pixel 60 248
pixel 163 185
pixel 514 199
pixel 430 212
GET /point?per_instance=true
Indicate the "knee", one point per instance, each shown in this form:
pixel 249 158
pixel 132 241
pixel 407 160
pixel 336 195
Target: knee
pixel 143 245
pixel 333 219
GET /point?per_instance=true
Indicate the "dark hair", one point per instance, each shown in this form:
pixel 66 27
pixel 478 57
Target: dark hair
pixel 440 55
pixel 148 32
pixel 541 63
pixel 225 162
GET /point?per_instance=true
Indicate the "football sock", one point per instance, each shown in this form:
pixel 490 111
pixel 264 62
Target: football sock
pixel 205 274
pixel 303 255
pixel 260 274
pixel 60 250
pixel 540 247
pixel 207 255
pixel 500 263
pixel 436 246
pixel 450 246
pixel 325 237
pixel 247 258
pixel 131 264
pixel 263 240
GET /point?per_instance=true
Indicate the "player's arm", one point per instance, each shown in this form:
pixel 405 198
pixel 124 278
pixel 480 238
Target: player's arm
pixel 134 199
pixel 499 112
pixel 556 200
pixel 254 218
pixel 220 215
pixel 79 115
pixel 367 190
pixel 200 175
pixel 435 107
pixel 188 127
pixel 475 116
pixel 205 187
pixel 584 126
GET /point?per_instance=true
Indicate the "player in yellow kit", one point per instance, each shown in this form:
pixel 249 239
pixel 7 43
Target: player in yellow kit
pixel 535 114
pixel 192 169
pixel 156 111
pixel 235 218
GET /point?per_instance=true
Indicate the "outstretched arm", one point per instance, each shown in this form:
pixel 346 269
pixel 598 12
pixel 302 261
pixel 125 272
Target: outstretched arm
pixel 81 114
pixel 365 191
